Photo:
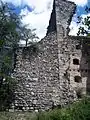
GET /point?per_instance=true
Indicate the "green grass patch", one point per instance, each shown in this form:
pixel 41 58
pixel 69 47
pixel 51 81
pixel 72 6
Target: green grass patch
pixel 79 110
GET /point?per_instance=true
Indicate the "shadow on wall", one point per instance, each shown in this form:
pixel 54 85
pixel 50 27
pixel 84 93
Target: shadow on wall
pixel 85 64
pixel 80 66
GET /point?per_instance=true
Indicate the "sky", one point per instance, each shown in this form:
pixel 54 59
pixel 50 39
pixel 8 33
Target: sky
pixel 37 13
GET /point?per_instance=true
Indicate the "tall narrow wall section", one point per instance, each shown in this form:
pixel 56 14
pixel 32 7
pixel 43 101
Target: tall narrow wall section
pixel 61 15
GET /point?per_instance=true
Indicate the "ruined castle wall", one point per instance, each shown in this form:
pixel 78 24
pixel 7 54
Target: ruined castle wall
pixel 37 76
pixel 77 80
pixel 51 75
pixel 64 12
pixel 42 82
pixel 78 71
pixel 39 86
pixel 85 62
pixel 61 15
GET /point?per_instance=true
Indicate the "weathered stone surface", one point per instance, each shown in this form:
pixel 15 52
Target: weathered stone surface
pixel 46 78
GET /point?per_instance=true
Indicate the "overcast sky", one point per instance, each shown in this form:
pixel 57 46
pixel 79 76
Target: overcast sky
pixel 37 13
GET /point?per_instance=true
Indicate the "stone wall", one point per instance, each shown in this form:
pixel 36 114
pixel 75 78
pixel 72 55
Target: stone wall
pixel 54 73
pixel 61 15
pixel 38 76
pixel 39 86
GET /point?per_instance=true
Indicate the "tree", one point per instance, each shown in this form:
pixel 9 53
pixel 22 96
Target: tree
pixel 9 38
pixel 84 29
pixel 29 36
pixel 11 32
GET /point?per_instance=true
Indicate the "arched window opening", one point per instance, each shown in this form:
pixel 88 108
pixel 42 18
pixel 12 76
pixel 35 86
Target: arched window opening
pixel 77 79
pixel 76 61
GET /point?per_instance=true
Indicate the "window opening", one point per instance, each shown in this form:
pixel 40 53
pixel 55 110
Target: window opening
pixel 78 46
pixel 77 79
pixel 75 61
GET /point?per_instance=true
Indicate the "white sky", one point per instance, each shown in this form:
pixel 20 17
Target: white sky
pixel 80 2
pixel 39 17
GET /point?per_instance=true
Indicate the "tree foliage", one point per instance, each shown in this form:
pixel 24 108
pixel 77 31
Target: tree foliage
pixel 11 32
pixel 9 38
pixel 84 28
pixel 28 36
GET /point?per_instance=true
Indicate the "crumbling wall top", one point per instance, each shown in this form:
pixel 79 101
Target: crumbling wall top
pixel 61 15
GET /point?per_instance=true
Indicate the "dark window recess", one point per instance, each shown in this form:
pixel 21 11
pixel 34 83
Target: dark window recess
pixel 78 47
pixel 75 61
pixel 81 70
pixel 79 93
pixel 77 79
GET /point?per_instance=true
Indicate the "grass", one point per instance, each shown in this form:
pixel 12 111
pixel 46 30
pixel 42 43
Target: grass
pixel 80 110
